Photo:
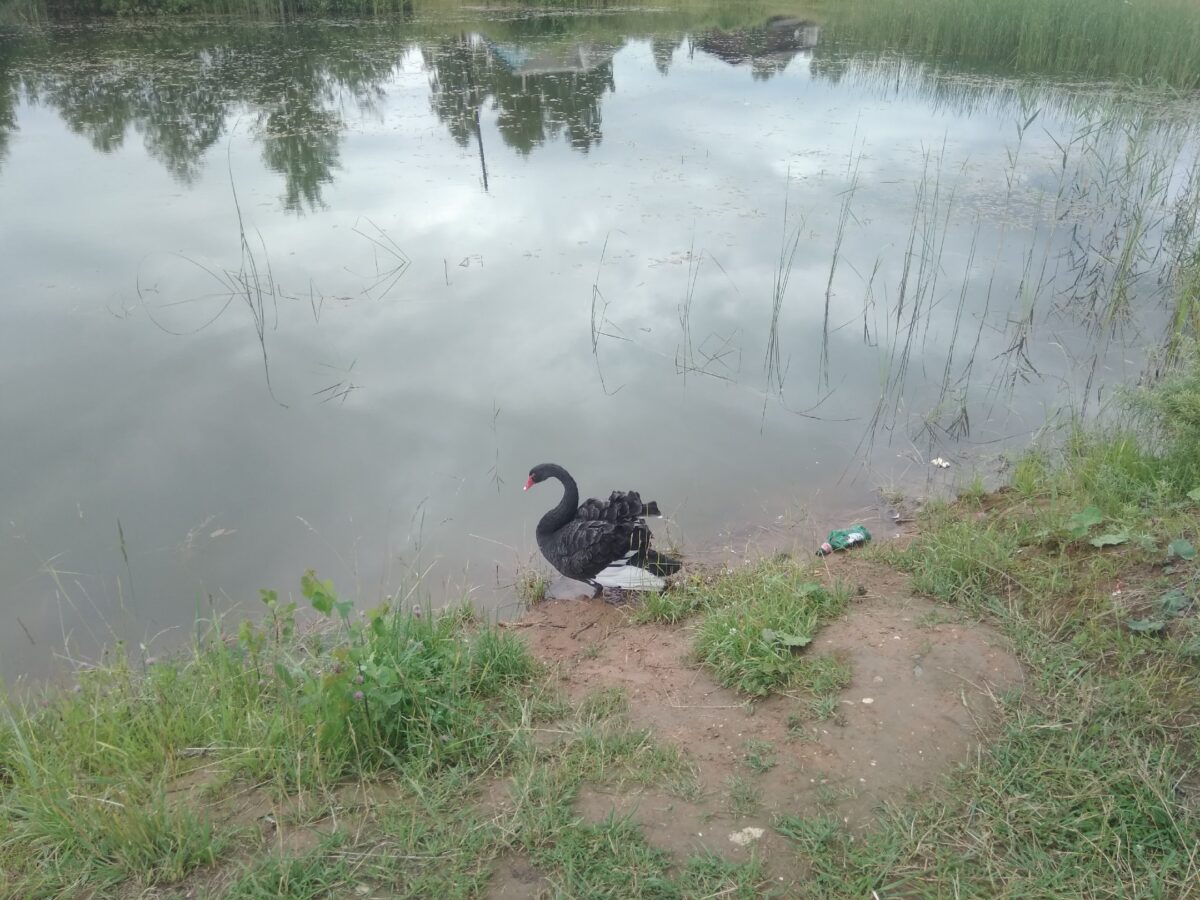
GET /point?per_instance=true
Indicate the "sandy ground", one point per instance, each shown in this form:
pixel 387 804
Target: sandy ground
pixel 922 698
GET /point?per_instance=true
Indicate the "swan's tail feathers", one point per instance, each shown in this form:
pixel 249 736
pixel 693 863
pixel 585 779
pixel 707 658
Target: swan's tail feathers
pixel 630 578
pixel 651 509
pixel 660 563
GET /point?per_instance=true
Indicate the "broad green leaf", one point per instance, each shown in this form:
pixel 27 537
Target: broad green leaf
pixel 1174 602
pixel 793 640
pixel 1194 494
pixel 1079 523
pixel 319 593
pixel 1145 625
pixel 322 603
pixel 1110 540
pixel 1182 548
pixel 782 637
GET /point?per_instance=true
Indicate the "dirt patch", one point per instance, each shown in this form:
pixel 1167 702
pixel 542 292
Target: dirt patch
pixel 685 828
pixel 923 696
pixel 290 826
pixel 515 878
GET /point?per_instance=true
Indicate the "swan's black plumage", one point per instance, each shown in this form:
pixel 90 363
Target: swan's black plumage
pixel 620 506
pixel 601 542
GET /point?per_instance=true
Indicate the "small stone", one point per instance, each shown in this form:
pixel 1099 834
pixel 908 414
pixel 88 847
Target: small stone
pixel 878 679
pixel 868 700
pixel 746 836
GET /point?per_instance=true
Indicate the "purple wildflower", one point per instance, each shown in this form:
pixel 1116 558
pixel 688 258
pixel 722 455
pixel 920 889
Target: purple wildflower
pixel 358 695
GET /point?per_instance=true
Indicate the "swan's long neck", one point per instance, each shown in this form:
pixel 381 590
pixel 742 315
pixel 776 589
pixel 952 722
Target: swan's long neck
pixel 567 506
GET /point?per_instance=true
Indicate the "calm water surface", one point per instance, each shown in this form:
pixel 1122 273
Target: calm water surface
pixel 281 297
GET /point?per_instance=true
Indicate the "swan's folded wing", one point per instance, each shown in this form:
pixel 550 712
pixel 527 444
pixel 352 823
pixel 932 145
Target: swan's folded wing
pixel 590 546
pixel 621 506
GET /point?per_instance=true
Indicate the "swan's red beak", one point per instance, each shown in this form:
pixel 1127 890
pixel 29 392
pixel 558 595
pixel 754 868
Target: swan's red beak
pixel 529 483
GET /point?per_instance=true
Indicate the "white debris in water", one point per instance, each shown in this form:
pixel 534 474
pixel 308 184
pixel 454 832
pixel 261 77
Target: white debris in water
pixel 868 700
pixel 746 836
pixel 941 463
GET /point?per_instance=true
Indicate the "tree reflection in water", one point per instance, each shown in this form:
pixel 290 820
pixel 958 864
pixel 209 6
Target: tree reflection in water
pixel 183 87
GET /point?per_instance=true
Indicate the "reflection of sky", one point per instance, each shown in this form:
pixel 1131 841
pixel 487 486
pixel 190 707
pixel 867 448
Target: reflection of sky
pixel 108 417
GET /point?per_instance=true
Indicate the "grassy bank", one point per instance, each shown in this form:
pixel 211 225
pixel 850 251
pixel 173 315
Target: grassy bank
pixel 1149 41
pixel 1088 562
pixel 389 727
pixel 395 753
pixel 675 13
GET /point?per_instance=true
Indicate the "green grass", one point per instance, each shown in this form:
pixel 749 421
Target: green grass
pixel 755 622
pixel 754 642
pixel 676 13
pixel 88 774
pixel 531 586
pixel 321 873
pixel 1071 800
pixel 1091 788
pixel 1152 41
pixel 744 796
pixel 823 707
pixel 759 756
pixel 93 784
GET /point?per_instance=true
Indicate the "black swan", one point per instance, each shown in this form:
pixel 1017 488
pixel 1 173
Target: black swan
pixel 605 543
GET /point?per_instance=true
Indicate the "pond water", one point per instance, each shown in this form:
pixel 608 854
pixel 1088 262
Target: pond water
pixel 279 297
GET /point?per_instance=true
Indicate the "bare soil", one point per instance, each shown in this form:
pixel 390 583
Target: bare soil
pixel 923 697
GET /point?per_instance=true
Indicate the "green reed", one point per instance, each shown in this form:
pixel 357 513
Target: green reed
pixel 1147 41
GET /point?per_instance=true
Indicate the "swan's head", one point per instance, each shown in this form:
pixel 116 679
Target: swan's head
pixel 538 473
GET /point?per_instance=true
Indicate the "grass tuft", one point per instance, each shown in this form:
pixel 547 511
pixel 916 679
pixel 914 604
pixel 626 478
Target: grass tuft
pixel 770 614
pixel 532 586
pixel 322 873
